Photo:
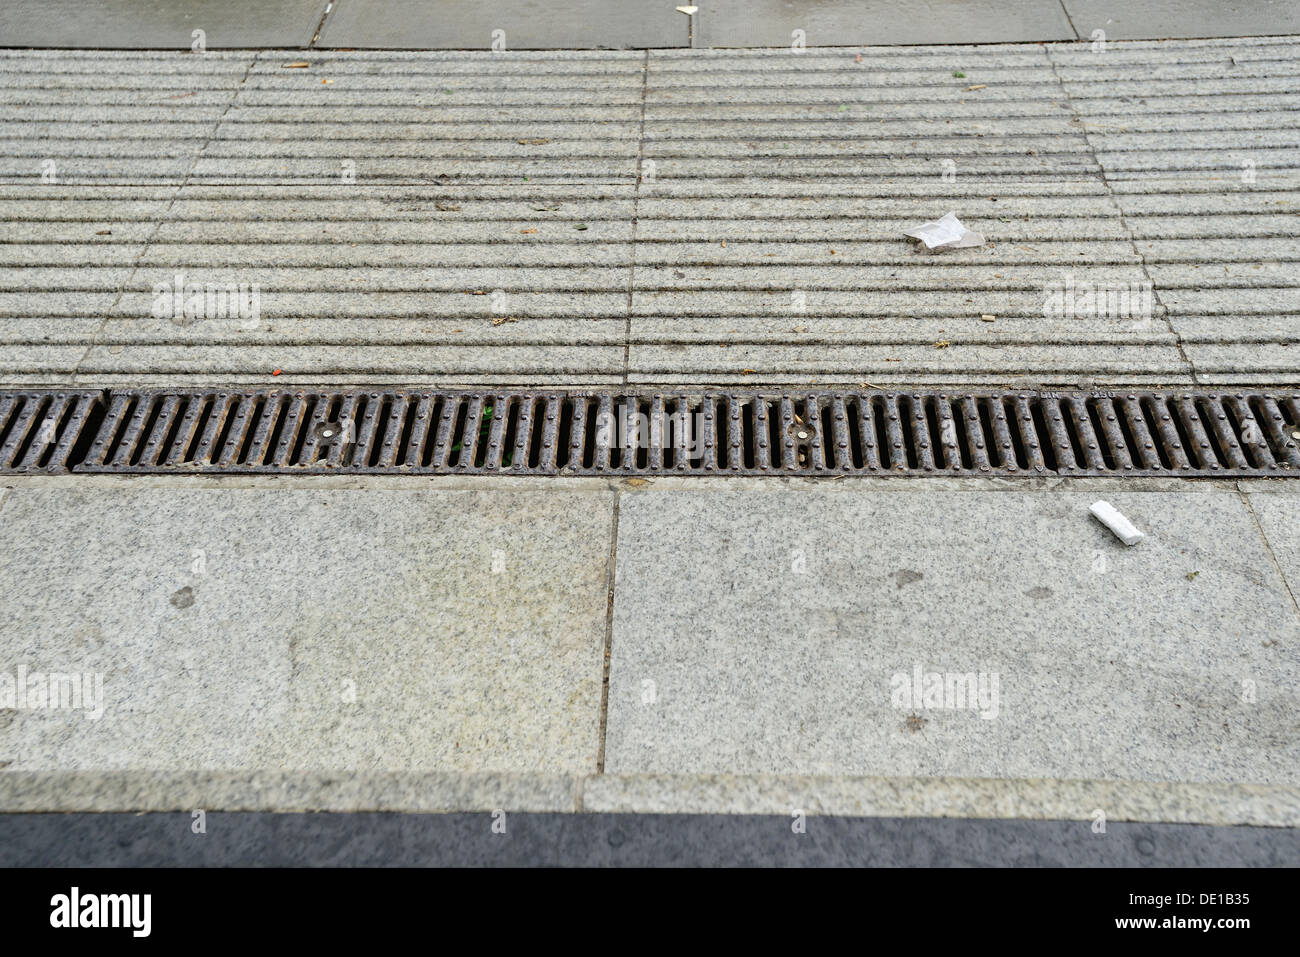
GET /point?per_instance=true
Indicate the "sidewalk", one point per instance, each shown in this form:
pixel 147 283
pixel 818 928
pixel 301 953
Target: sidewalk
pixel 652 218
pixel 683 218
pixel 439 645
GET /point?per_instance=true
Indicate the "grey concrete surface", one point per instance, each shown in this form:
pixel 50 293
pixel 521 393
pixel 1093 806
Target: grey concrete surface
pixel 620 840
pixel 344 644
pixel 703 217
pixel 1278 514
pixel 770 23
pixel 781 633
pixel 158 24
pixel 523 25
pixel 1156 19
pixel 1040 799
pixel 1045 799
pixel 244 630
pixel 586 24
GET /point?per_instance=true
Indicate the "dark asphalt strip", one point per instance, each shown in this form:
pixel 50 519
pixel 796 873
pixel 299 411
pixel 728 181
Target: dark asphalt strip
pixel 620 840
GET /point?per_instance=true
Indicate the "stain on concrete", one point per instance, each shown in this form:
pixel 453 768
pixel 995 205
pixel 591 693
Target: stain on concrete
pixel 905 576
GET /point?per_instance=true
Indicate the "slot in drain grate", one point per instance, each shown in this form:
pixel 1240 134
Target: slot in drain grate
pixel 45 431
pixel 715 433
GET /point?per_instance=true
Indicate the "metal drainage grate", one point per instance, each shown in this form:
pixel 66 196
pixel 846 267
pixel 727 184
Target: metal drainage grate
pixel 45 431
pixel 590 433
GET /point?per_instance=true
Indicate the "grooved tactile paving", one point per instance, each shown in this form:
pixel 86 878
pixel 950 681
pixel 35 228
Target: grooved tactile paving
pixel 663 218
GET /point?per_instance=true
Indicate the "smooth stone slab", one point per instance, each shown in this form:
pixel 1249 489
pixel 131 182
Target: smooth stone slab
pixel 527 25
pixel 768 23
pixel 158 24
pixel 308 630
pixel 761 632
pixel 1158 19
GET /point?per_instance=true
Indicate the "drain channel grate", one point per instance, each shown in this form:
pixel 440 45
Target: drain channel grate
pixel 726 433
pixel 45 431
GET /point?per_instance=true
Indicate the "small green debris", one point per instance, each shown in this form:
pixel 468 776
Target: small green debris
pixel 1191 576
pixel 958 74
pixel 484 428
pixel 580 227
pixel 844 108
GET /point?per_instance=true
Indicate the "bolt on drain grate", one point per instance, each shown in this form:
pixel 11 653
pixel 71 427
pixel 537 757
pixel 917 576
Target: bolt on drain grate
pixel 725 433
pixel 45 431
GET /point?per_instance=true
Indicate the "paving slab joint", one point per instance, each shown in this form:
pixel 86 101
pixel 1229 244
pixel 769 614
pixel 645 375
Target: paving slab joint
pixel 1079 120
pixel 1268 547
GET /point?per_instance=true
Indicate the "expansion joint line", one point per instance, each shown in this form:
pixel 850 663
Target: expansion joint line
pixel 1082 124
pixel 611 582
pixel 1268 546
pixel 329 8
pixel 1070 20
pixel 162 218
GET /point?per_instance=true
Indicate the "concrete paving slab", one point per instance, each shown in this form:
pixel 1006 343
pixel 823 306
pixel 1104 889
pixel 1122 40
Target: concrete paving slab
pixel 939 797
pixel 279 790
pixel 1278 514
pixel 755 175
pixel 770 632
pixel 297 363
pixel 159 24
pixel 1157 19
pixel 770 23
pixel 309 630
pixel 525 25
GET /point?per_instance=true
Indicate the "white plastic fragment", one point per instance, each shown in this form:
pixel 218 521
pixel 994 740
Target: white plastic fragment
pixel 1109 516
pixel 947 232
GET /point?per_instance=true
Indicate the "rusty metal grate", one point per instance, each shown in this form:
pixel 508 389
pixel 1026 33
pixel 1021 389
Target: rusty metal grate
pixel 45 431
pixel 724 433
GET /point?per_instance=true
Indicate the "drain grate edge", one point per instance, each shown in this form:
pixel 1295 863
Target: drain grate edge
pixel 46 431
pixel 527 432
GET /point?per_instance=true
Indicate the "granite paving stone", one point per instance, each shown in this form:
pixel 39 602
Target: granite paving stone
pixel 552 218
pixel 1183 18
pixel 771 632
pixel 159 24
pixel 522 25
pixel 766 23
pixel 307 630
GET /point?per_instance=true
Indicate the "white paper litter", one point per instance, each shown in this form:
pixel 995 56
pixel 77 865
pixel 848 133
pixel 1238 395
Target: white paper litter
pixel 947 232
pixel 1109 516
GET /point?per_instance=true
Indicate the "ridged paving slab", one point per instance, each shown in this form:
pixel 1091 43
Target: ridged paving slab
pixel 671 217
